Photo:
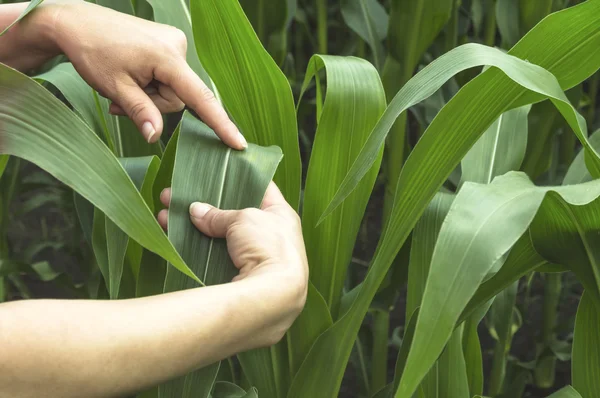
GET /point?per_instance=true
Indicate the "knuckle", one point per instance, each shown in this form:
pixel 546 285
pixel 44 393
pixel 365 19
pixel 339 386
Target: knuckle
pixel 206 95
pixel 136 110
pixel 180 40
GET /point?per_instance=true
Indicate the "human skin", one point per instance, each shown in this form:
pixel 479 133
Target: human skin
pixel 92 348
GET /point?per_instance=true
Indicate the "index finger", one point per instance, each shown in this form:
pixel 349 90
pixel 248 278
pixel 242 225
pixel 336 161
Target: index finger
pixel 194 93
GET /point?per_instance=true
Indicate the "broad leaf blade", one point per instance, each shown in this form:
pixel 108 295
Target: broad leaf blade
pixel 66 148
pixel 354 101
pixel 253 89
pixel 585 370
pixel 228 180
pixel 369 20
pixel 499 150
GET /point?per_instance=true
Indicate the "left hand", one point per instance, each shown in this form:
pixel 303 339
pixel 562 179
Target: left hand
pixel 139 65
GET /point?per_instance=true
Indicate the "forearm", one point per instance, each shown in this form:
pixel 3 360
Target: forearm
pixel 104 348
pixel 29 43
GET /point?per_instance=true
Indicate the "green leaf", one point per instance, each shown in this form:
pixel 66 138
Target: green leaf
pixel 566 392
pixel 564 44
pixel 271 20
pixel 123 6
pixel 530 13
pixel 354 102
pixel 119 133
pixel 227 390
pixel 369 20
pixel 229 179
pixel 499 150
pixel 522 260
pixel 578 172
pixel 232 180
pixel 313 320
pixel 558 222
pixel 39 128
pixel 3 163
pixel 477 213
pixel 253 89
pixel 424 237
pixel 473 356
pixel 408 38
pixel 507 19
pixel 452 369
pixel 176 13
pixel 525 76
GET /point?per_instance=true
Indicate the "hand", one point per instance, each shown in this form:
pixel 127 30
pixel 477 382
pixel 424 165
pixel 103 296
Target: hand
pixel 139 65
pixel 266 245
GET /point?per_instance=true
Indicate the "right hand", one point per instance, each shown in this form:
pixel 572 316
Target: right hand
pixel 265 244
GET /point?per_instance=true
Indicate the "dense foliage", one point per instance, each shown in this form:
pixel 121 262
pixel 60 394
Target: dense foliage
pixel 448 190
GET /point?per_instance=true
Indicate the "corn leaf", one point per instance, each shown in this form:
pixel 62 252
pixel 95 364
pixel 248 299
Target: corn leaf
pixel 42 130
pixel 226 174
pixel 473 356
pixel 353 103
pixel 585 368
pixel 407 39
pixel 123 6
pixel 369 20
pixel 271 20
pixel 578 172
pixel 566 392
pixel 228 179
pixel 314 320
pixel 3 163
pixel 521 260
pixel 511 199
pixel 253 89
pixel 119 133
pixel 564 44
pixel 507 19
pixel 499 150
pixel 177 13
pixel 452 369
pixel 525 77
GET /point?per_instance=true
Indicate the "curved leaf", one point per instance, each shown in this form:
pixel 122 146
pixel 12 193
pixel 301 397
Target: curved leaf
pixel 585 366
pixel 354 101
pixel 39 128
pixel 253 89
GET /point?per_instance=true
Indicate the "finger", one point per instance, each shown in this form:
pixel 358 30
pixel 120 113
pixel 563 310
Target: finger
pixel 165 197
pixel 163 218
pixel 116 110
pixel 273 197
pixel 194 93
pixel 140 108
pixel 212 221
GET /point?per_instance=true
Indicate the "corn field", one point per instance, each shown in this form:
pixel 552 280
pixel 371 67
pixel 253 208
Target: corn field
pixel 441 154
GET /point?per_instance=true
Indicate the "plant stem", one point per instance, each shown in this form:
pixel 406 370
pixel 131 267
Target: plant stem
pixel 452 27
pixel 593 94
pixel 498 370
pixel 490 26
pixel 381 327
pixel 394 76
pixel 545 371
pixel 322 26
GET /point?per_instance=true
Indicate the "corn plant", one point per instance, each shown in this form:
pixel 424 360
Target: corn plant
pixel 464 249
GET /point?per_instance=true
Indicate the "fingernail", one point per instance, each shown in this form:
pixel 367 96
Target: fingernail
pixel 148 131
pixel 242 140
pixel 199 210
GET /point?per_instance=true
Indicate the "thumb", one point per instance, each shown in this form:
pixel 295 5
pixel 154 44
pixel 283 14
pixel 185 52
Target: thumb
pixel 212 221
pixel 140 108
